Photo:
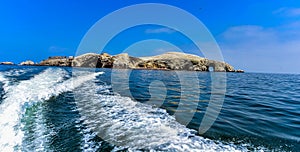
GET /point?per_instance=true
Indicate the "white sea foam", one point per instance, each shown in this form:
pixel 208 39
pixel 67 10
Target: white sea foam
pixel 2 79
pixel 37 138
pixel 5 82
pixel 136 126
pixel 87 142
pixel 41 87
pixel 5 77
pixel 34 89
pixel 42 133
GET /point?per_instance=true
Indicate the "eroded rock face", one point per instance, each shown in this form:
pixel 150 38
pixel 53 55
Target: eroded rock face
pixel 105 61
pixel 166 61
pixel 57 61
pixel 125 61
pixel 86 60
pixel 220 66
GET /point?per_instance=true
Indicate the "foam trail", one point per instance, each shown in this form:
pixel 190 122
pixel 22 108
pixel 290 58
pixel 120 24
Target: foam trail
pixel 41 87
pixel 5 77
pixel 38 132
pixel 5 82
pixel 34 89
pixel 74 82
pixel 42 133
pixel 138 127
pixel 2 79
pixel 17 72
pixel 87 143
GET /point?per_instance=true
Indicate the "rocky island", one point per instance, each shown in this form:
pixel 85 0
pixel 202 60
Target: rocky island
pixel 6 63
pixel 166 61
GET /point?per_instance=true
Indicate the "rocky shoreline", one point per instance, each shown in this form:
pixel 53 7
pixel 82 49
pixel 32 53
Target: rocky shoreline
pixel 166 61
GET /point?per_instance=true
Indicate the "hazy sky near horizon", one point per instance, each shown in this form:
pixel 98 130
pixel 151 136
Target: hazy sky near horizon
pixel 257 36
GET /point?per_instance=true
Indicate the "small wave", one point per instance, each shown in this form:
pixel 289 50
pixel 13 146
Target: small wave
pixel 135 126
pixel 40 88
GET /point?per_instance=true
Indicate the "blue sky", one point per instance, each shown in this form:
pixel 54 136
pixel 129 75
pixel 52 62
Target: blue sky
pixel 257 36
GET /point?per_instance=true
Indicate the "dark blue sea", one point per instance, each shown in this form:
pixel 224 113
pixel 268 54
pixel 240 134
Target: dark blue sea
pixel 82 109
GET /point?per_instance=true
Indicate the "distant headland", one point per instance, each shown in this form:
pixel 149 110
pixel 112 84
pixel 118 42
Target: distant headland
pixel 166 61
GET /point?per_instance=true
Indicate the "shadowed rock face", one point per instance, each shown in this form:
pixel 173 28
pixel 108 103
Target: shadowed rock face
pixel 105 61
pixel 167 61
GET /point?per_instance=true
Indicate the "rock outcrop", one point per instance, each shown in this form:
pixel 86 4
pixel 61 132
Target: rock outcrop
pixel 57 61
pixel 86 60
pixel 167 61
pixel 105 61
pixel 124 61
pixel 28 62
pixel 239 71
pixel 6 63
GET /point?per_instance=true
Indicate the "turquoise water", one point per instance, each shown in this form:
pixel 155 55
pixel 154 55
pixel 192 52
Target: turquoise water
pixel 59 109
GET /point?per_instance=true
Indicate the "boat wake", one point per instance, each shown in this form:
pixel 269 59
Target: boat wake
pixel 135 126
pixel 27 93
pixel 120 121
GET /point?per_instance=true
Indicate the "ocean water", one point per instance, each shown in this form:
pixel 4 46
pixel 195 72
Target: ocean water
pixel 65 109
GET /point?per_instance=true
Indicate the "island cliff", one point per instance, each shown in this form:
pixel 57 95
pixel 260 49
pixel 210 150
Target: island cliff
pixel 166 61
